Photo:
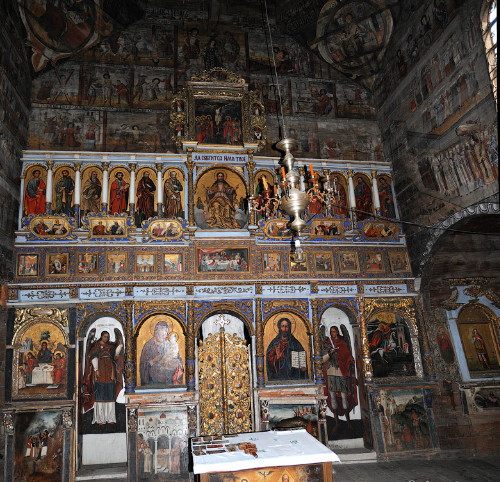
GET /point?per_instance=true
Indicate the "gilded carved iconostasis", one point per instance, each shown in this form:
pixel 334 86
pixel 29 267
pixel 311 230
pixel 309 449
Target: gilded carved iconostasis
pixel 159 291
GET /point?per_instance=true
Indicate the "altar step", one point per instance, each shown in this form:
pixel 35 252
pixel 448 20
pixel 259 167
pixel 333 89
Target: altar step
pixel 352 451
pixel 112 472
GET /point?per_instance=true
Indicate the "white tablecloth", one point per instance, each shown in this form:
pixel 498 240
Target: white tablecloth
pixel 274 448
pixel 42 374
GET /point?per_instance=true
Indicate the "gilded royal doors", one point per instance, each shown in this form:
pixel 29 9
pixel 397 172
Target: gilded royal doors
pixel 224 377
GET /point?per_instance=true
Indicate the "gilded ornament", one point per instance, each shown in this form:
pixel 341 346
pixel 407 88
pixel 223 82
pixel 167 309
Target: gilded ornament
pixel 26 315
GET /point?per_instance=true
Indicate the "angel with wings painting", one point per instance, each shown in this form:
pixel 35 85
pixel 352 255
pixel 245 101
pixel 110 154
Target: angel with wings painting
pixel 103 378
pixel 340 373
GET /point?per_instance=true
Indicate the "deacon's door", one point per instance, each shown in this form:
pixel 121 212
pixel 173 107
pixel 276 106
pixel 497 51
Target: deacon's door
pixel 224 384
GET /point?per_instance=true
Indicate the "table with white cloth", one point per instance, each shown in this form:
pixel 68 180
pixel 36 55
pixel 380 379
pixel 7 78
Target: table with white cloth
pixel 274 456
pixel 42 374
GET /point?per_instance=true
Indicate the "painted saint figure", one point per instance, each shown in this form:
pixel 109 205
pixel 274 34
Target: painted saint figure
pixel 340 374
pixel 44 355
pixel 285 356
pixel 145 198
pixel 118 198
pixel 363 195
pixel 481 350
pixel 64 194
pixel 160 362
pixel 103 377
pixel 173 202
pixel 220 199
pixel 91 194
pixel 34 197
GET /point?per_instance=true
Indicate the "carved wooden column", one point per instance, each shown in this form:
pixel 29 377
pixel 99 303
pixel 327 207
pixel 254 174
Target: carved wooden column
pixel 105 187
pixel 78 191
pixel 131 189
pixel 190 168
pixel 50 182
pixel 21 203
pixel 427 360
pixel 68 465
pixel 259 344
pixel 351 195
pixel 318 364
pixel 9 449
pixel 159 189
pixel 367 360
pixel 130 369
pixel 251 189
pixel 375 195
pixel 132 427
pixel 190 348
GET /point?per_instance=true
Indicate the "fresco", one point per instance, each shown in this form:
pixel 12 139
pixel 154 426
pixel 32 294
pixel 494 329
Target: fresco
pixel 101 382
pixel 390 346
pixel 138 132
pixel 403 422
pixel 353 102
pixel 287 348
pixel 40 362
pixel 149 43
pixel 162 445
pixel 445 345
pixel 207 45
pixel 313 97
pixel 222 194
pixel 38 450
pixel 66 129
pixel 160 352
pixel 57 31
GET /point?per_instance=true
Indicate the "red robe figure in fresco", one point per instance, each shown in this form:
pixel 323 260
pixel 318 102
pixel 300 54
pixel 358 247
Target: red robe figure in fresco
pixel 34 197
pixel 119 195
pixel 340 375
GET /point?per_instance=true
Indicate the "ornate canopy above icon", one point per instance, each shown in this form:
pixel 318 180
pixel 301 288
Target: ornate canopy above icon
pixel 216 109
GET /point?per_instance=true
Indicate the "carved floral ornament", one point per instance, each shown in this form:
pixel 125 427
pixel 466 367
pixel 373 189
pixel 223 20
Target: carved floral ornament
pixel 403 306
pixel 475 288
pixel 27 315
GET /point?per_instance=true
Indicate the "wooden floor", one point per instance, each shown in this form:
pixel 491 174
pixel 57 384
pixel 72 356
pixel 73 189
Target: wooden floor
pixel 476 469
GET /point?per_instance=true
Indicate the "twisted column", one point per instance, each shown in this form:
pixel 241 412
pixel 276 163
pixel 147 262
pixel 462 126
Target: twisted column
pixel 317 357
pixel 190 168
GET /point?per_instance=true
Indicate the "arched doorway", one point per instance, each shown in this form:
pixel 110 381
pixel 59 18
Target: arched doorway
pixel 224 376
pixel 101 423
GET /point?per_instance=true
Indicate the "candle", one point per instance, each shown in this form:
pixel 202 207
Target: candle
pixel 283 174
pixel 264 183
pixel 275 189
pixel 311 170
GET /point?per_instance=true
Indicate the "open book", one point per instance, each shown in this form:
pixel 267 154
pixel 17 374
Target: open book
pixel 299 359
